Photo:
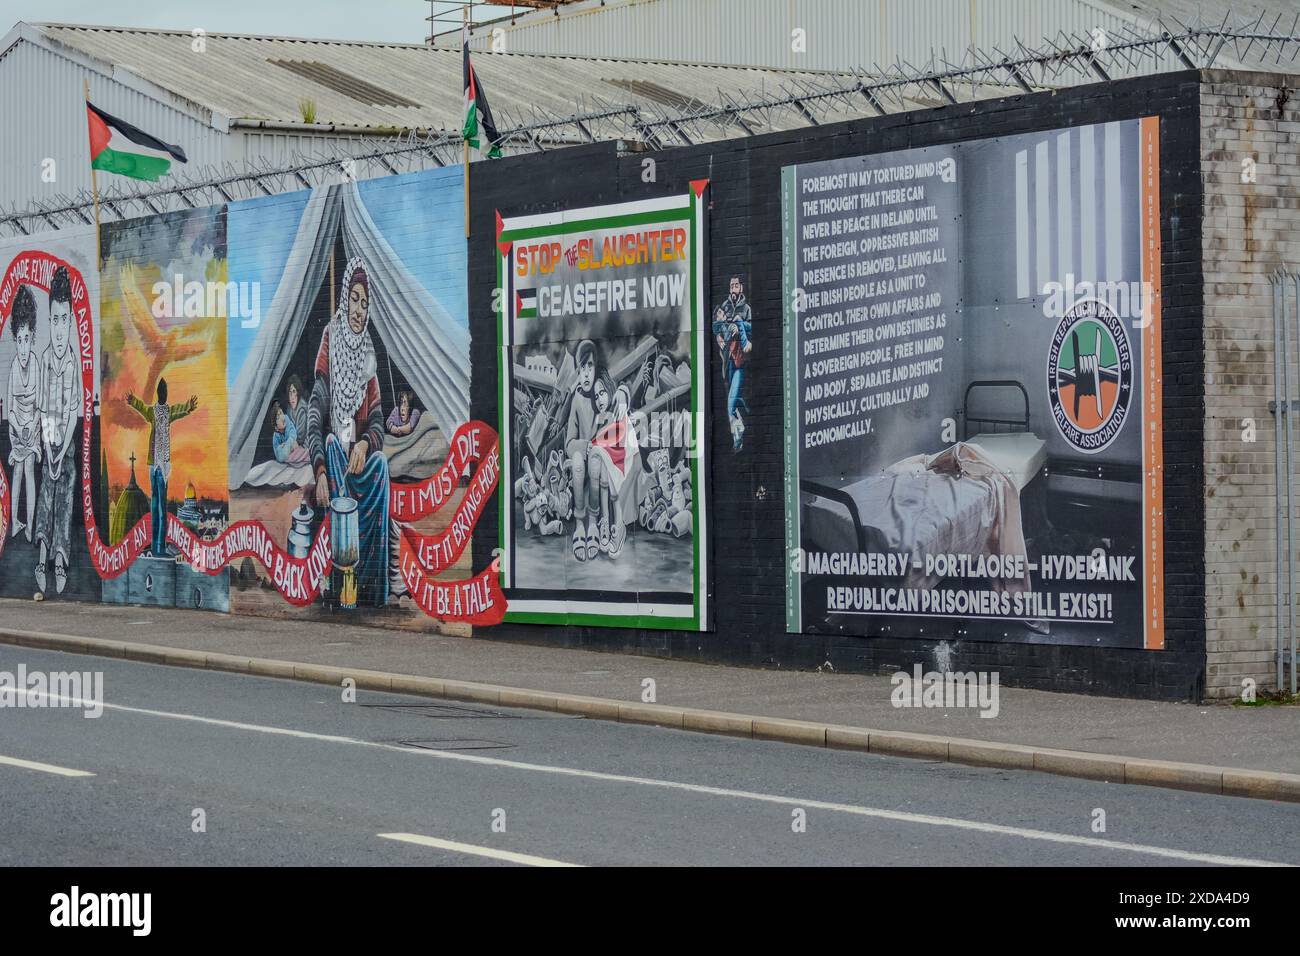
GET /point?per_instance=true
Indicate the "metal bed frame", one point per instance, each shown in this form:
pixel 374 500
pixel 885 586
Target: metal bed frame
pixel 993 383
pixel 846 501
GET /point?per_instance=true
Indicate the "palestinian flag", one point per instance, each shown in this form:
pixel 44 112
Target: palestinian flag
pixel 526 304
pixel 118 147
pixel 480 130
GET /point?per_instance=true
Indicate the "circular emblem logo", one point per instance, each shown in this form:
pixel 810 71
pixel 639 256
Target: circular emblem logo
pixel 1090 376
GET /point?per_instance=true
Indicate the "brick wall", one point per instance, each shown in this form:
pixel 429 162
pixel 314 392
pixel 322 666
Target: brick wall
pixel 1250 229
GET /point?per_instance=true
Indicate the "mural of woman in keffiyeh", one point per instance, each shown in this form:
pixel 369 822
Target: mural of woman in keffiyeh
pixel 345 430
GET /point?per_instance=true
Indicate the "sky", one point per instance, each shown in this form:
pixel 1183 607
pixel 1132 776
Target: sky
pixel 390 21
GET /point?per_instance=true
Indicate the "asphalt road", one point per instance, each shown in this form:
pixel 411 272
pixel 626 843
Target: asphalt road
pixel 287 773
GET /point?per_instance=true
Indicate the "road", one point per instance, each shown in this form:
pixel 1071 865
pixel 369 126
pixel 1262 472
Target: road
pixel 288 773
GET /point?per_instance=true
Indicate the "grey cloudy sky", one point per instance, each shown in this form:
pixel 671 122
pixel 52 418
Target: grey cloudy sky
pixel 391 21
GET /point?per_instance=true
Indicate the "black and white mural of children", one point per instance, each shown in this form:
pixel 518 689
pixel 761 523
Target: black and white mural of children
pixel 601 449
pixel 581 429
pixel 22 395
pixel 610 460
pixel 58 408
pixel 603 457
pixel 733 328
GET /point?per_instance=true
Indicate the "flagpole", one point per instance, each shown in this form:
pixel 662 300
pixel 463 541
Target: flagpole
pixel 465 40
pixel 94 184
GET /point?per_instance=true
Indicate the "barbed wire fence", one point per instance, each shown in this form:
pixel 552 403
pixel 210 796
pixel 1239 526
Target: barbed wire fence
pixel 806 100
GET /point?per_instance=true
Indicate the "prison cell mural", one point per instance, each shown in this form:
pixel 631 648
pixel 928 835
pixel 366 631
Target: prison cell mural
pixel 348 431
pixel 603 372
pixel 46 335
pixel 972 369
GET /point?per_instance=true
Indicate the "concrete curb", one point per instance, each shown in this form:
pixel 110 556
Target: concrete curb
pixel 1203 778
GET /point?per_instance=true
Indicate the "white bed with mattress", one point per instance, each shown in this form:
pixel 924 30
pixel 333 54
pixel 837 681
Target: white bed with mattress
pixel 921 507
pixel 1019 455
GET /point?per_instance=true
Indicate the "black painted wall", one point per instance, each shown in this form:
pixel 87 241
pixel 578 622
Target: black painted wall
pixel 747 488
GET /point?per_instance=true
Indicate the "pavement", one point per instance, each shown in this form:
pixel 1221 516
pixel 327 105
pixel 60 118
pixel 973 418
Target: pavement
pixel 196 767
pixel 1219 735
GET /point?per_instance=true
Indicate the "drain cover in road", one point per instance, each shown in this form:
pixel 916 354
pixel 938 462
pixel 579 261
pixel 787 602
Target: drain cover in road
pixel 456 744
pixel 443 710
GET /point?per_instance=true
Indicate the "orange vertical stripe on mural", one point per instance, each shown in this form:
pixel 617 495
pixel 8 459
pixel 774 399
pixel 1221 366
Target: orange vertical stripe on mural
pixel 1152 397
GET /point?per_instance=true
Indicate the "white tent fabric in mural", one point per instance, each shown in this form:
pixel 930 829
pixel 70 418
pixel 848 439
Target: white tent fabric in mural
pixel 417 331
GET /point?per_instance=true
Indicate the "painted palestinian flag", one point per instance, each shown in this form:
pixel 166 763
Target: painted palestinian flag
pixel 118 147
pixel 526 304
pixel 480 130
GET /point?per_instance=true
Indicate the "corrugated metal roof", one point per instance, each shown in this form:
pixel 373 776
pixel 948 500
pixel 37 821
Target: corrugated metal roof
pixel 245 77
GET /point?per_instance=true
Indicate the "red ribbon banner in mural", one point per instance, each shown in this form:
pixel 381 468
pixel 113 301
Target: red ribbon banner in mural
pixel 437 552
pixel 477 600
pixel 4 498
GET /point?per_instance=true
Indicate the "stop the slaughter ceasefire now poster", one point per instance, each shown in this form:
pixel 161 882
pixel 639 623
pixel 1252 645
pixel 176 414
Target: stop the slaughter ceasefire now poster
pixel 603 376
pixel 972 390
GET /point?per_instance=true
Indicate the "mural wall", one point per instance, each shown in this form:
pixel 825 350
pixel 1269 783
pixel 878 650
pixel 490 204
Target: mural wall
pixel 351 385
pixel 43 425
pixel 282 389
pixel 162 363
pixel 1037 188
pixel 974 426
pixel 734 334
pixel 333 359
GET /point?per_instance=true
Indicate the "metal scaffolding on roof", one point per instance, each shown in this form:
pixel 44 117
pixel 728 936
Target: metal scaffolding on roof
pixel 1060 61
pixel 446 17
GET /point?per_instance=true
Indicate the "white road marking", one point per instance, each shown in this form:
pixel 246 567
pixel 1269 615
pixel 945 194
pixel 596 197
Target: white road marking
pixel 522 858
pixel 898 816
pixel 44 767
